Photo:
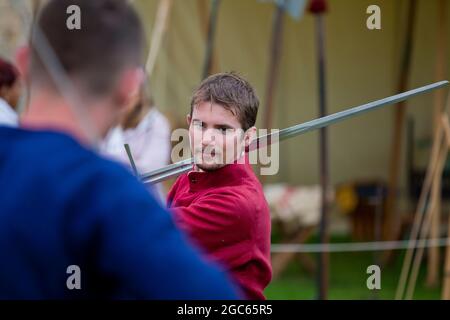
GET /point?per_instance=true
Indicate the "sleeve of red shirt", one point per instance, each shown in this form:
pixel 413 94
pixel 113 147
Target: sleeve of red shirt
pixel 221 224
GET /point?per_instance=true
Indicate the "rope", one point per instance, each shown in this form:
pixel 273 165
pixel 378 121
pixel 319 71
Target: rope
pixel 360 246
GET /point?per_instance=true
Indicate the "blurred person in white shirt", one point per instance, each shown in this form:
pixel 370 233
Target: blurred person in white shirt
pixel 147 131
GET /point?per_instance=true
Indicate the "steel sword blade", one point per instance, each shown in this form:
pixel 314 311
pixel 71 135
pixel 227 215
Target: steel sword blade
pixel 181 167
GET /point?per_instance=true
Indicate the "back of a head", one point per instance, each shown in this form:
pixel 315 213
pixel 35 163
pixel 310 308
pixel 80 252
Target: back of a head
pixel 109 40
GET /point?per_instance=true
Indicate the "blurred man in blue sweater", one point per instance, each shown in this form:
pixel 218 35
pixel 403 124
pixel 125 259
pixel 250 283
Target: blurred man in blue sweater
pixel 72 224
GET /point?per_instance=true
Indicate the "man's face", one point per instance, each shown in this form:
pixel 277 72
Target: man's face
pixel 216 136
pixel 135 99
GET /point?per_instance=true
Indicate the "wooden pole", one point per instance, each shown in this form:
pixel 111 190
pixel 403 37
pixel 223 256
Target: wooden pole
pixel 446 277
pixel 318 8
pixel 36 4
pixel 204 22
pixel 442 128
pixel 418 217
pixel 435 194
pixel 324 175
pixel 276 44
pixel 159 29
pixel 281 260
pixel 391 222
pixel 210 37
pixel 440 71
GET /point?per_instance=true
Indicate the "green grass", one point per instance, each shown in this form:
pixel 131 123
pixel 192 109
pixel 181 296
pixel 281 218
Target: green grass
pixel 347 279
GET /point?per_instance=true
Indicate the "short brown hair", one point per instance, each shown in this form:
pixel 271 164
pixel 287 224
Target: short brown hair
pixel 233 93
pixel 111 38
pixel 8 74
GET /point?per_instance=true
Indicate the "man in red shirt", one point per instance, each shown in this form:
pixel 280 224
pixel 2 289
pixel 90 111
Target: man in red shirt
pixel 220 203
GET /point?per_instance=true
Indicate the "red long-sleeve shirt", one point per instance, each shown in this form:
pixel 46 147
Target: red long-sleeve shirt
pixel 226 214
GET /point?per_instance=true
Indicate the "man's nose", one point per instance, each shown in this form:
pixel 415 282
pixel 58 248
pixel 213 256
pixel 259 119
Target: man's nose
pixel 209 137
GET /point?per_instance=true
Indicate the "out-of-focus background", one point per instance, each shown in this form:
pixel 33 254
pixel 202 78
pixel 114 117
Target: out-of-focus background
pixel 377 161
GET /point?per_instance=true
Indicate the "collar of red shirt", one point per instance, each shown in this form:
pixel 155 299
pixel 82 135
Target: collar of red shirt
pixel 227 175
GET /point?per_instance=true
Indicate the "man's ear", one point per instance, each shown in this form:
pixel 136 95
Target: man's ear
pixel 128 86
pixel 188 120
pixel 23 61
pixel 249 136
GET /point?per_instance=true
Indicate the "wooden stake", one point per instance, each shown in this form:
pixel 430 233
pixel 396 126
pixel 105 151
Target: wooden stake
pixel 435 194
pixel 446 278
pixel 441 57
pixel 319 8
pixel 391 223
pixel 276 44
pixel 159 29
pixel 210 37
pixel 418 217
pixel 281 260
pixel 204 15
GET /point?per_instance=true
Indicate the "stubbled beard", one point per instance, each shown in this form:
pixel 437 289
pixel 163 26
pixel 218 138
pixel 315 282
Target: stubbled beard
pixel 211 164
pixel 211 167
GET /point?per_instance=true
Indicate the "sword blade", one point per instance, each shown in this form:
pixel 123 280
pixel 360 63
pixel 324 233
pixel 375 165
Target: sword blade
pixel 181 167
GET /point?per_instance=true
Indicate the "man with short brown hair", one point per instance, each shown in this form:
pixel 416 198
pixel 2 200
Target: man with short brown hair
pixel 220 203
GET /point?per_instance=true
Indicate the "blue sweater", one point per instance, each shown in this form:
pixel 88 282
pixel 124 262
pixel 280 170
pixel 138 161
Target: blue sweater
pixel 63 205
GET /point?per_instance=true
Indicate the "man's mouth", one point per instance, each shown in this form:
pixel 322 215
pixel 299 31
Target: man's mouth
pixel 208 155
